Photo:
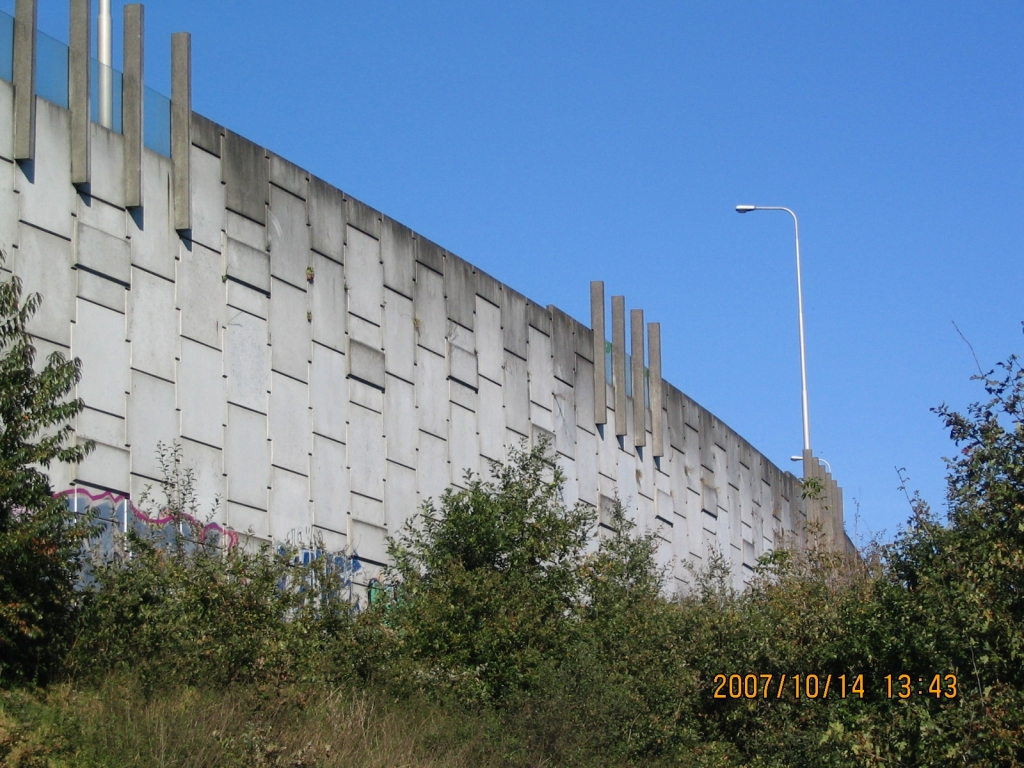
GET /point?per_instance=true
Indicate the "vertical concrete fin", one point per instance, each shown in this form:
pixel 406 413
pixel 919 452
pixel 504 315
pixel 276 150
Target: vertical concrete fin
pixel 597 323
pixel 80 38
pixel 636 329
pixel 26 16
pixel 657 392
pixel 619 362
pixel 181 127
pixel 131 102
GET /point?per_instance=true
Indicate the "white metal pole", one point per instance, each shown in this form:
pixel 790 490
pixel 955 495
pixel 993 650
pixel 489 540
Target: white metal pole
pixel 800 311
pixel 105 53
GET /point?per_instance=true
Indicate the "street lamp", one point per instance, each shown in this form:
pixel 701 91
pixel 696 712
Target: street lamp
pixel 800 309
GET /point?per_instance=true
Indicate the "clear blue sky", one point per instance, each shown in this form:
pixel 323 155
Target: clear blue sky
pixel 556 143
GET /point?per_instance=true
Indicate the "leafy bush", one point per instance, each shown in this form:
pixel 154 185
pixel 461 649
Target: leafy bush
pixel 39 542
pixel 197 612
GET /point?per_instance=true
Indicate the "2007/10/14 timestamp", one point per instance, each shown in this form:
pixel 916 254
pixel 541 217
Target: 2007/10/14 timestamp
pixel 812 686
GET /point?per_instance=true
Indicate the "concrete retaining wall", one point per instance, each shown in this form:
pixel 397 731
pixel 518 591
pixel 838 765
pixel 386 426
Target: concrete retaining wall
pixel 326 369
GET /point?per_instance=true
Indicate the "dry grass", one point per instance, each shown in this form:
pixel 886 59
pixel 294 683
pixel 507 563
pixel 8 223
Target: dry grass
pixel 294 727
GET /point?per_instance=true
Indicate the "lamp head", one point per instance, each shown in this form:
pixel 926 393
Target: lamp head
pixel 745 208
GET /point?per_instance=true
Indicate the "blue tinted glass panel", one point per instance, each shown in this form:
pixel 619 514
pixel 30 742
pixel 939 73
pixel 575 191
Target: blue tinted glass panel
pixel 94 94
pixel 157 121
pixel 52 69
pixel 6 47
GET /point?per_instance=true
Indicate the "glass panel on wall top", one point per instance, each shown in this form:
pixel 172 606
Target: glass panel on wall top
pixel 157 122
pixel 6 47
pixel 96 69
pixel 51 69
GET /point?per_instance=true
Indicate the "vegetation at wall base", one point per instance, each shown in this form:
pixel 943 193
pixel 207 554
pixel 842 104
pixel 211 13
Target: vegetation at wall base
pixel 39 543
pixel 505 634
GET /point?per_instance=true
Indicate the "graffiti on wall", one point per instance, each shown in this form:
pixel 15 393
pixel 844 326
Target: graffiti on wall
pixel 115 513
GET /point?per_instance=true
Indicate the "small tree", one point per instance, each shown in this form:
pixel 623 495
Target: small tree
pixel 489 582
pixel 39 540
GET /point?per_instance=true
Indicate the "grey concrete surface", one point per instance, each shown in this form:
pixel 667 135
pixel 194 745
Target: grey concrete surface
pixel 327 371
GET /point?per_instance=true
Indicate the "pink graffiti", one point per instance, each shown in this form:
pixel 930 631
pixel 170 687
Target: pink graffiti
pixel 162 519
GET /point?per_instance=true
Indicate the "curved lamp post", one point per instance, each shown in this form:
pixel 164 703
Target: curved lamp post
pixel 800 309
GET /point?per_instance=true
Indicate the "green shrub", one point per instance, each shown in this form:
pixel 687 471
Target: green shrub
pixel 39 541
pixel 198 612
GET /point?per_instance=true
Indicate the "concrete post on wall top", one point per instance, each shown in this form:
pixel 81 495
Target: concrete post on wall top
pixel 619 362
pixel 131 102
pixel 26 15
pixel 657 390
pixel 600 375
pixel 636 328
pixel 80 38
pixel 181 127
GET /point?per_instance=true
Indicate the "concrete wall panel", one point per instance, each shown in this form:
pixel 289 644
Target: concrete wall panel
pixel 247 231
pixel 8 207
pixel 101 427
pixel 364 218
pixel 290 511
pixel 290 332
pixel 327 302
pixel 463 445
pixel 541 371
pixel 429 317
pixel 107 181
pixel 364 276
pixel 47 195
pixel 400 500
pixel 491 421
pixel 368 541
pixel 247 361
pixel 287 175
pixel 489 340
pixel 44 264
pixel 199 294
pixel 366 364
pixel 365 332
pixel 563 347
pixel 289 238
pixel 400 421
pixel 586 466
pixel 431 468
pixel 106 467
pixel 207 194
pixel 239 296
pixel 459 291
pixel 247 457
pixel 103 254
pixel 326 212
pixel 246 177
pixel 201 393
pixel 328 393
pixel 152 324
pixel 366 454
pixel 564 420
pixel 398 252
pixel 152 418
pixel 154 242
pixel 516 394
pixel 431 393
pixel 399 336
pixel 98 339
pixel 329 484
pixel 513 322
pixel 247 265
pixel 100 290
pixel 462 366
pixel 290 424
